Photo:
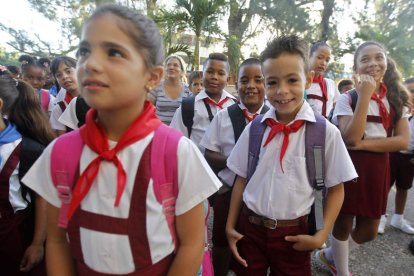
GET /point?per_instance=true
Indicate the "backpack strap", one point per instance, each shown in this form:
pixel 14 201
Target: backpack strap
pixel 44 99
pixel 315 163
pixel 257 130
pixel 187 113
pixel 209 112
pixel 353 98
pixel 62 105
pixel 237 120
pixel 81 108
pixel 64 165
pixel 164 172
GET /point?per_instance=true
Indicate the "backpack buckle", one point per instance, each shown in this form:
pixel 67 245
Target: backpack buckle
pixel 65 193
pixel 320 184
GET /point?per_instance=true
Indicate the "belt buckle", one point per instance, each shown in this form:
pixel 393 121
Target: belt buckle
pixel 269 223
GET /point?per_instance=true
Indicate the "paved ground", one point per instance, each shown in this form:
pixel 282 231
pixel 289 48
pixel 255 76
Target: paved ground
pixel 388 254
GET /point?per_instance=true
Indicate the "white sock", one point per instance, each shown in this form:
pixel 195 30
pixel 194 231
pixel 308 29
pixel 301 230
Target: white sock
pixel 328 253
pixel 340 252
pixel 352 244
pixel 397 217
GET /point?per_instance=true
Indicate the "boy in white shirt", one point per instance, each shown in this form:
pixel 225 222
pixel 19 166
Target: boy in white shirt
pixel 271 209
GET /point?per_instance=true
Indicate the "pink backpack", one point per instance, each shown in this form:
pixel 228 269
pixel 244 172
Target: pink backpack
pixel 44 99
pixel 65 156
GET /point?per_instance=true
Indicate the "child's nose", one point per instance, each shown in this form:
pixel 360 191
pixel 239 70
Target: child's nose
pixel 92 62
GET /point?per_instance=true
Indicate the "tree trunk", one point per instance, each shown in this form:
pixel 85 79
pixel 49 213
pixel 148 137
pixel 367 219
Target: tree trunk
pixel 328 6
pixel 151 6
pixel 196 62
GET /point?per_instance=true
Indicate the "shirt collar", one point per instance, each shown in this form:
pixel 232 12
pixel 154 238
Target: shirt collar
pixel 202 95
pixel 242 106
pixel 305 113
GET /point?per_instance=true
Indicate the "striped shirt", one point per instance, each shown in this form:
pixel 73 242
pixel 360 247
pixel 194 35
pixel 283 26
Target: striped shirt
pixel 165 106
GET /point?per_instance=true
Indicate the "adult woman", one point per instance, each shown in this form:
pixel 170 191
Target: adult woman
pixel 168 95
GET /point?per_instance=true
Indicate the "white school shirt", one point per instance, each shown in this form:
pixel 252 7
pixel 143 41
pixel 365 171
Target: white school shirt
pixel 201 120
pixel 196 182
pixel 219 137
pixel 15 188
pixel 333 94
pixel 372 129
pixel 277 195
pixel 68 117
pixel 57 111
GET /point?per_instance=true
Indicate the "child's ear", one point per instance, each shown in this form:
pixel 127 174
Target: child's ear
pixel 309 79
pixel 155 76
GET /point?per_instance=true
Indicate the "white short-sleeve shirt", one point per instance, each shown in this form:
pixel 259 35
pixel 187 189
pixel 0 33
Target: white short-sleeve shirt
pixel 201 120
pixel 372 129
pixel 219 137
pixel 274 194
pixel 68 117
pixel 333 94
pixel 54 118
pixel 15 188
pixel 101 197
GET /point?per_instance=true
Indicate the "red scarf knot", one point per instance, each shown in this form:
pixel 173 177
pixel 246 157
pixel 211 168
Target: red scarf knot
pixel 382 109
pixel 275 128
pixel 96 139
pixel 219 104
pixel 247 116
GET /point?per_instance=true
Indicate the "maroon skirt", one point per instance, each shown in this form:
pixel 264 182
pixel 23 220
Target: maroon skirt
pixel 367 196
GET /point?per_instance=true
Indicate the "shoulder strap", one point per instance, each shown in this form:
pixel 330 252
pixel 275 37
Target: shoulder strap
pixel 353 98
pixel 64 165
pixel 315 162
pixel 265 108
pixel 164 172
pixel 62 105
pixel 209 112
pixel 45 99
pixel 31 150
pixel 81 109
pixel 257 130
pixel 187 113
pixel 237 120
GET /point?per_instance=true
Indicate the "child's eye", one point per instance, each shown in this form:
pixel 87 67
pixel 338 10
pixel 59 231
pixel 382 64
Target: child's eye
pixel 271 83
pixel 292 80
pixel 82 52
pixel 114 53
pixel 58 75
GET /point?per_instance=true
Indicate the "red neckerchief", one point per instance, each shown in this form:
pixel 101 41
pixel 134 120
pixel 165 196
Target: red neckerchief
pixel 322 84
pixel 247 116
pixel 68 98
pixel 383 110
pixel 276 127
pixel 219 104
pixel 96 139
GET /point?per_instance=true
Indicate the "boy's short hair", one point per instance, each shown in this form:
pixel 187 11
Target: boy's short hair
pixel 409 80
pixel 287 44
pixel 247 62
pixel 194 75
pixel 220 57
pixel 343 83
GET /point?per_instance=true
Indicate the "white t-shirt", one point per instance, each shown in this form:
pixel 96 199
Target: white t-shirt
pixel 68 117
pixel 196 183
pixel 15 188
pixel 277 195
pixel 201 120
pixel 333 94
pixel 219 137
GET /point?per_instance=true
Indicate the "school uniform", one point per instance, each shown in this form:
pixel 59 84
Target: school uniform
pixel 367 196
pixel 133 238
pixel 58 109
pixel 282 194
pixel 201 116
pixel 220 138
pixel 402 164
pixel 315 97
pixel 16 216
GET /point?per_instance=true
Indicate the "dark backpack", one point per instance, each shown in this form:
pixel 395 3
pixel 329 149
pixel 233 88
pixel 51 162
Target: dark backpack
pixel 315 161
pixel 81 109
pixel 187 112
pixel 237 119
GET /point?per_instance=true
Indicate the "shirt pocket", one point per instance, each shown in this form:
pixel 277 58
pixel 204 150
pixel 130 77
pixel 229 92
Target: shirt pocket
pixel 296 173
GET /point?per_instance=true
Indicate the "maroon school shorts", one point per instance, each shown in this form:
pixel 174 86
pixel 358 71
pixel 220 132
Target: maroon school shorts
pixel 402 170
pixel 221 211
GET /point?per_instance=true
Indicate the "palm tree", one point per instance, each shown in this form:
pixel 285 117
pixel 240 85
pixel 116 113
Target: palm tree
pixel 199 16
